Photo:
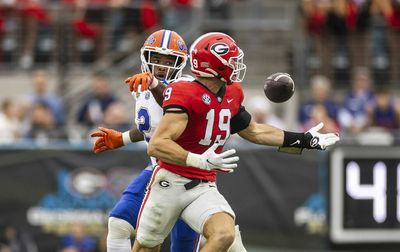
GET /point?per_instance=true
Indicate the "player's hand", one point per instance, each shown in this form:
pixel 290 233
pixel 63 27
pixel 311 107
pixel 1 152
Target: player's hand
pixel 210 160
pixel 144 80
pixel 316 140
pixel 108 139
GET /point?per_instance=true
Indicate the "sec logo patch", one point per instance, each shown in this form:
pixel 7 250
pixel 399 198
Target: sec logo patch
pixel 206 99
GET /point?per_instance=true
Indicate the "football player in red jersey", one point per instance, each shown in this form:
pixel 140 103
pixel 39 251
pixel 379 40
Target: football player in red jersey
pixel 164 54
pixel 199 117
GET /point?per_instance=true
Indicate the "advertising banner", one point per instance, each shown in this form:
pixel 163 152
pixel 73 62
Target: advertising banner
pixel 46 190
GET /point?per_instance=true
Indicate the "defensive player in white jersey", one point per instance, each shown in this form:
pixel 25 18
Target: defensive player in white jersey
pixel 198 118
pixel 164 54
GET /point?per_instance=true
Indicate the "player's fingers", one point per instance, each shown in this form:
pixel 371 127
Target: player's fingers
pixel 331 141
pixel 145 85
pixel 128 80
pixel 100 142
pixel 131 83
pixel 332 137
pixel 225 170
pixel 101 149
pixel 97 134
pixel 138 81
pixel 94 148
pixel 227 153
pixel 230 160
pixel 317 128
pixel 104 130
pixel 229 166
pixel 214 147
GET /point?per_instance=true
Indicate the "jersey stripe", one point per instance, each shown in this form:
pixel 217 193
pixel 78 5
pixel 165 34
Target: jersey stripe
pixel 166 38
pixel 169 39
pixel 153 176
pixel 162 39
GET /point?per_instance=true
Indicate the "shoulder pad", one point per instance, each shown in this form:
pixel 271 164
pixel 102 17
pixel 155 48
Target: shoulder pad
pixel 185 77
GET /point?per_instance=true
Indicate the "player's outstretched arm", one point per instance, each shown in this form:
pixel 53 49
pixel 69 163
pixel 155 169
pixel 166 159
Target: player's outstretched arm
pixel 262 134
pixel 267 135
pixel 109 139
pixel 146 81
pixel 163 146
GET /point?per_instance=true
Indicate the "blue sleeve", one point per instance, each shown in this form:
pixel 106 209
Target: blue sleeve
pixel 332 109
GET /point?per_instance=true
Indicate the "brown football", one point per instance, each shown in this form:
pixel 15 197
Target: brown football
pixel 279 87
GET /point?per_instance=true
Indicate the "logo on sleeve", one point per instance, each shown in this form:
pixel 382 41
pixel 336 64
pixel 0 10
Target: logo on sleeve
pixel 297 142
pixel 206 99
pixel 314 142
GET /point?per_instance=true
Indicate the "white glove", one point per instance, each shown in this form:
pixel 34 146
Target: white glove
pixel 316 140
pixel 210 160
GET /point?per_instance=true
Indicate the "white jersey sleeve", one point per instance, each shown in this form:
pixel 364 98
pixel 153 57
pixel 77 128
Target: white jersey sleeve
pixel 147 115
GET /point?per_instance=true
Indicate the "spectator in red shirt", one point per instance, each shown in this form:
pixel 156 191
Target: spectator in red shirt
pixel 34 15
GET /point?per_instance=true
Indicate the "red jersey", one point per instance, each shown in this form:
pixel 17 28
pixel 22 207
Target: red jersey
pixel 209 120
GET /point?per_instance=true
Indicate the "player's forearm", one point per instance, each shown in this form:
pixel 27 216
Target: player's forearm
pixel 131 136
pixel 167 151
pixel 158 92
pixel 135 135
pixel 263 134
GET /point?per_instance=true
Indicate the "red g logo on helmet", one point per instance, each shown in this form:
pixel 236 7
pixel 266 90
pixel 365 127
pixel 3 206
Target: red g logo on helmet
pixel 220 48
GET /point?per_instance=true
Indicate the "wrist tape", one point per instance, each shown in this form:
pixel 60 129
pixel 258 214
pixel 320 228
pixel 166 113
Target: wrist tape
pixel 293 139
pixel 126 138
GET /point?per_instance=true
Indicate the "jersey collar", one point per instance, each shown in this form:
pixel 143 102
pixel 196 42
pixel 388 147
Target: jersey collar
pixel 219 95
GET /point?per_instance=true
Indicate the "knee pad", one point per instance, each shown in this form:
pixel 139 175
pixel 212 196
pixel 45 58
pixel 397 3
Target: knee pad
pixel 119 229
pixel 237 245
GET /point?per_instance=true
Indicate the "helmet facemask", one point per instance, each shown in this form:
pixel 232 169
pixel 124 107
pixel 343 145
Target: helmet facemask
pixel 172 72
pixel 236 64
pixel 239 68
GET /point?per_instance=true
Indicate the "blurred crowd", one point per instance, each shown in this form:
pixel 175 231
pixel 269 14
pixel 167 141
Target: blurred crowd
pixel 13 239
pixel 343 34
pixel 77 238
pixel 41 116
pixel 365 35
pixel 42 31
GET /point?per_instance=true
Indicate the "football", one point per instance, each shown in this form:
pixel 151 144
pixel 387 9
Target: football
pixel 279 87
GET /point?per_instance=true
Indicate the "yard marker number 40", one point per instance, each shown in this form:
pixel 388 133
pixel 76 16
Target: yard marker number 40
pixel 377 192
